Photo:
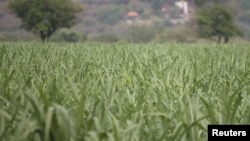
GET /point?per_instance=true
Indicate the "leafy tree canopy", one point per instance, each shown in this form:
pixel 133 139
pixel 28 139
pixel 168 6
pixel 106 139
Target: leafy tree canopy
pixel 44 17
pixel 217 22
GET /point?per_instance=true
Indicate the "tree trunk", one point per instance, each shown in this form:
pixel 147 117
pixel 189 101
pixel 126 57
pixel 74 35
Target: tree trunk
pixel 43 36
pixel 226 39
pixel 219 39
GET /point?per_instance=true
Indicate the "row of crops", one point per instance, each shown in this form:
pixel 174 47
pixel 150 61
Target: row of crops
pixel 121 92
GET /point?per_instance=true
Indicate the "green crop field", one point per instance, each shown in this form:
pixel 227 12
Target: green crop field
pixel 120 91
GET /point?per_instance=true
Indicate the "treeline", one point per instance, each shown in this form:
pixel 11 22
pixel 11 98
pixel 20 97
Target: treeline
pixel 105 21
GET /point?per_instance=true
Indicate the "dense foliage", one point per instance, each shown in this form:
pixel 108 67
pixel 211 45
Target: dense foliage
pixel 44 17
pixel 121 92
pixel 218 22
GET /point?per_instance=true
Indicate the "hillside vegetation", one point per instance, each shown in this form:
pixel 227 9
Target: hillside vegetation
pixel 108 18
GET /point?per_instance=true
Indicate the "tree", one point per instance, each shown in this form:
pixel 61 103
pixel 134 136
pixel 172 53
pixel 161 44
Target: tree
pixel 44 17
pixel 217 22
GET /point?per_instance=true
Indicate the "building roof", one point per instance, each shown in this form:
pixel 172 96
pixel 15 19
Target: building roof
pixel 132 14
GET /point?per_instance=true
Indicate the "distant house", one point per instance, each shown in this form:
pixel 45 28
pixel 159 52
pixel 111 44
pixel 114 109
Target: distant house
pixel 132 16
pixel 185 13
pixel 191 10
pixel 182 5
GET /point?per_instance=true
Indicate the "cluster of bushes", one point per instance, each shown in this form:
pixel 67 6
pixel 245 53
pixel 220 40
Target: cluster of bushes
pixel 65 35
pixel 17 36
pixel 134 34
pixel 149 33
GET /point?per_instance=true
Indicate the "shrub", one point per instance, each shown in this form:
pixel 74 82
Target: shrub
pixel 176 35
pixel 142 33
pixel 68 36
pixel 105 37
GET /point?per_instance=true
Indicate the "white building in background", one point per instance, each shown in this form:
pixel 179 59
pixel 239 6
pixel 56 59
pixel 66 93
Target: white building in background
pixel 182 4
